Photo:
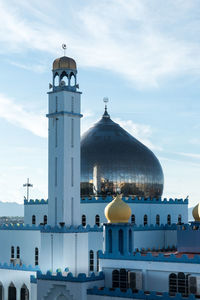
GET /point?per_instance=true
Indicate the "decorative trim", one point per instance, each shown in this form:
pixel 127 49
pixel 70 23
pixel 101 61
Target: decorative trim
pixel 36 201
pixel 149 257
pixel 108 199
pixel 71 229
pixel 18 267
pixel 61 113
pixel 140 295
pixel 82 277
pixel 20 227
pixel 142 227
pixel 136 200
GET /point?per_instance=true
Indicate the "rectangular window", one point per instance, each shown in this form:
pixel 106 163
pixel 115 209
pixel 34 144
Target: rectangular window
pixel 36 257
pixel 72 133
pixel 12 252
pixel 18 252
pixel 72 171
pixel 56 171
pixel 72 105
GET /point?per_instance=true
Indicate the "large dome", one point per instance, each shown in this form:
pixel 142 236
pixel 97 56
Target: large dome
pixel 112 160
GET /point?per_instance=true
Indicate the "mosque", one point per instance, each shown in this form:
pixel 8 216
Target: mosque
pixel 120 239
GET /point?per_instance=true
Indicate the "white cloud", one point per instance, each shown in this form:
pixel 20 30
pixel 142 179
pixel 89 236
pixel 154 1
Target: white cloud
pixel 139 40
pixel 39 68
pixel 19 116
pixel 141 132
pixel 191 155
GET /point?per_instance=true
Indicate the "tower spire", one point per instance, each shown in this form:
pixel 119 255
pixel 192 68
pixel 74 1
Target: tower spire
pixel 106 115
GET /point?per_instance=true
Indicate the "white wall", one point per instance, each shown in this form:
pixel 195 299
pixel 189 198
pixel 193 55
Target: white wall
pixel 139 210
pixel 39 210
pixel 72 290
pixel 92 209
pixel 154 239
pixel 27 240
pixel 69 250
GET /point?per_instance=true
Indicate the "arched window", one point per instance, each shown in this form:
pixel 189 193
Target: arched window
pixel 36 256
pixel 18 252
pixel 64 78
pixel 123 279
pixel 110 240
pixel 172 284
pixel 121 241
pixel 45 219
pixel 56 80
pixel 24 293
pixel 132 219
pixel 98 261
pixel 120 279
pixel 179 219
pixel 91 261
pixel 72 80
pixel 169 219
pixel 115 279
pixel 157 219
pixel 181 283
pixel 145 220
pixel 33 219
pixel 11 292
pixel 12 252
pixel 84 220
pixel 97 220
pixel 130 240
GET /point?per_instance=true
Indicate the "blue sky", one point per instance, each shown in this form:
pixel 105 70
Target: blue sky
pixel 143 55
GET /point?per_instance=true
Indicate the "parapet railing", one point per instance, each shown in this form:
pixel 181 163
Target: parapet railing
pixel 35 201
pixel 108 199
pixel 59 276
pixel 134 200
pixel 184 258
pixel 139 295
pixel 18 267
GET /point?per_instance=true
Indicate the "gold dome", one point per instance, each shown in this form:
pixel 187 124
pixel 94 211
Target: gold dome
pixel 64 63
pixel 196 212
pixel 117 211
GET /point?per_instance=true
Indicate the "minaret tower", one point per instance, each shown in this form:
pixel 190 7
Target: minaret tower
pixel 64 145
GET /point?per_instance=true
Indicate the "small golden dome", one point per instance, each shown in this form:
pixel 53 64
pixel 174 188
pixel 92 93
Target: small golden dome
pixel 196 212
pixel 64 63
pixel 117 211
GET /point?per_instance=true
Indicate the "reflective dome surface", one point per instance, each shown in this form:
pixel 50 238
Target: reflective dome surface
pixel 114 161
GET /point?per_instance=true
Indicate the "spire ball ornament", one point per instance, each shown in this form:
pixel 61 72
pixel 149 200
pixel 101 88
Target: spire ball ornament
pixel 64 46
pixel 106 100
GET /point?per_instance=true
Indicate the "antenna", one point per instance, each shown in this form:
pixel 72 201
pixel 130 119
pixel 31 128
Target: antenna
pixel 64 46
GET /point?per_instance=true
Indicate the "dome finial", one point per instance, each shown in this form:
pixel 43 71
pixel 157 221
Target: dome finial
pixel 117 211
pixel 64 46
pixel 196 213
pixel 106 115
